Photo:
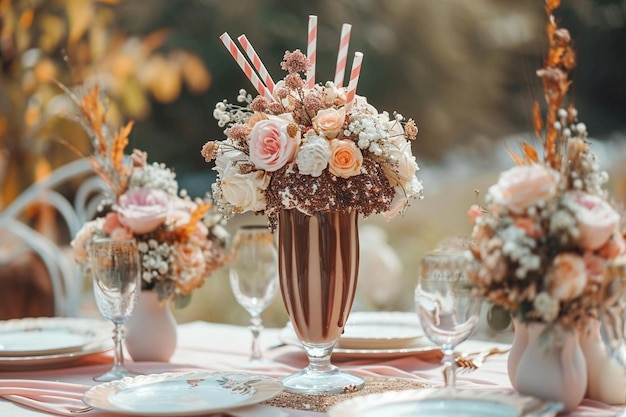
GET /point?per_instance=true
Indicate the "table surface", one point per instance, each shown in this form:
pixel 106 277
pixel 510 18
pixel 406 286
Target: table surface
pixel 222 347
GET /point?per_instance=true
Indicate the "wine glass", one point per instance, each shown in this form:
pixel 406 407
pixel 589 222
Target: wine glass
pixel 254 276
pixel 447 309
pixel 116 268
pixel 613 313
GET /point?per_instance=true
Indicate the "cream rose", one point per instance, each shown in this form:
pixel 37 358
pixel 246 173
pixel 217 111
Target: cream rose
pixel 596 219
pixel 524 186
pixel 272 143
pixel 229 158
pixel 400 202
pixel 406 164
pixel 346 158
pixel 334 96
pixel 567 276
pixel 313 156
pixel 244 191
pixel 329 122
pixel 142 210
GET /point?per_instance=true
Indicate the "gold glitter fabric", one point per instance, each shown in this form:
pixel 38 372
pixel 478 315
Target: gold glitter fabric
pixel 321 403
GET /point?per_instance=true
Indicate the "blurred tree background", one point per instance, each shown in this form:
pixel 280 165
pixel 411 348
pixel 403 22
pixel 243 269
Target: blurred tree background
pixel 463 70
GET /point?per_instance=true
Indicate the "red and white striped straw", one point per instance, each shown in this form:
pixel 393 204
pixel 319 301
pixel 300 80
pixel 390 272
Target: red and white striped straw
pixel 354 79
pixel 244 65
pixel 257 63
pixel 311 51
pixel 342 56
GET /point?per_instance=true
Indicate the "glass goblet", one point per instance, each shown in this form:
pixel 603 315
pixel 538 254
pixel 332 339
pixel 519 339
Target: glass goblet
pixel 613 313
pixel 254 276
pixel 116 267
pixel 447 309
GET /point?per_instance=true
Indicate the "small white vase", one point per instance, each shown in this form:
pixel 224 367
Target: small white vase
pixel 605 377
pixel 151 333
pixel 552 367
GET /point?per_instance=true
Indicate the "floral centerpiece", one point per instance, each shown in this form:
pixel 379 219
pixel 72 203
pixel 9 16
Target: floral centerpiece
pixel 312 157
pixel 548 231
pixel 181 240
pixel 311 146
pixel 545 240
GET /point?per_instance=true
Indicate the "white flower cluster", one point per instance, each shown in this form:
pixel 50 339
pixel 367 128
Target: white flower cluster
pixel 156 259
pixel 371 131
pixel 155 176
pixel 520 248
pixel 228 114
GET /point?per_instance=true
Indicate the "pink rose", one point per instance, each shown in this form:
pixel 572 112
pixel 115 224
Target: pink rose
pixel 189 267
pixel 114 228
pixel 524 186
pixel 142 210
pixel 597 220
pixel 567 276
pixel 346 158
pixel 329 122
pixel 273 144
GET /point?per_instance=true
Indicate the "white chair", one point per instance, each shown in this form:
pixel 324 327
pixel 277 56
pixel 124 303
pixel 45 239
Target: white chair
pixel 64 274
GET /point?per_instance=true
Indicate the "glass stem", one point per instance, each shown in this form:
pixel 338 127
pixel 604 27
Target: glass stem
pixel 118 354
pixel 449 370
pixel 255 327
pixel 319 357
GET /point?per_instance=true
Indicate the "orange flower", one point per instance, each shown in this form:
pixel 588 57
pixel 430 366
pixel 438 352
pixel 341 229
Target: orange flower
pixel 346 158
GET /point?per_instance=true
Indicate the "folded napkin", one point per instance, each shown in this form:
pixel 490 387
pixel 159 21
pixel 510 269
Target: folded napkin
pixel 65 399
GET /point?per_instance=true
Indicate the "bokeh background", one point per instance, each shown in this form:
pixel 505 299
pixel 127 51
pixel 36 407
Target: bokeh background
pixel 464 70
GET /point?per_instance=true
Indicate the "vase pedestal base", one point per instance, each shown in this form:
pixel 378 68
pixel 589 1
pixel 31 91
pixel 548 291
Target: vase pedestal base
pixel 332 381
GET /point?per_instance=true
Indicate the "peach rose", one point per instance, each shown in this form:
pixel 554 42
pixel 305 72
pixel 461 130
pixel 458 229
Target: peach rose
pixel 273 144
pixel 81 240
pixel 474 212
pixel 524 186
pixel 567 276
pixel 595 267
pixel 114 228
pixel 329 122
pixel 615 247
pixel 346 158
pixel 529 226
pixel 189 267
pixel 597 220
pixel 142 210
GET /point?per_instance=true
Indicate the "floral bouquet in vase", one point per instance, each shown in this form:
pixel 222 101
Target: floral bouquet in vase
pixel 545 237
pixel 181 241
pixel 312 157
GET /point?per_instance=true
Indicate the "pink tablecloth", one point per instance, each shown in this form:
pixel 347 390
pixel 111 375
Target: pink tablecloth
pixel 225 347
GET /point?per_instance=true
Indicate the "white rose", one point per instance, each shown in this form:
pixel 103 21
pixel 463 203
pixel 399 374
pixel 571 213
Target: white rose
pixel 361 103
pixel 228 158
pixel 313 156
pixel 407 166
pixel 412 189
pixel 244 191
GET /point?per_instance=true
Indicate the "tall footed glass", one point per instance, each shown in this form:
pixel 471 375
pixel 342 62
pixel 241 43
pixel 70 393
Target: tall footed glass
pixel 318 257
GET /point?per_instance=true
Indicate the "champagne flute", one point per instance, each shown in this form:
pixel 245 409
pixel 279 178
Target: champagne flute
pixel 447 309
pixel 116 268
pixel 254 276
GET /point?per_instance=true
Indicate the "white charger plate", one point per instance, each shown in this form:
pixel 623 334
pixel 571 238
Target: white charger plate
pixel 380 330
pixel 46 342
pixel 403 338
pixel 437 402
pixel 182 393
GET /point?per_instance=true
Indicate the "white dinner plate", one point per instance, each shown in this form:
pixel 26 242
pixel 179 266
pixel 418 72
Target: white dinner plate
pixel 380 330
pixel 45 342
pixel 182 393
pixel 400 340
pixel 437 402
